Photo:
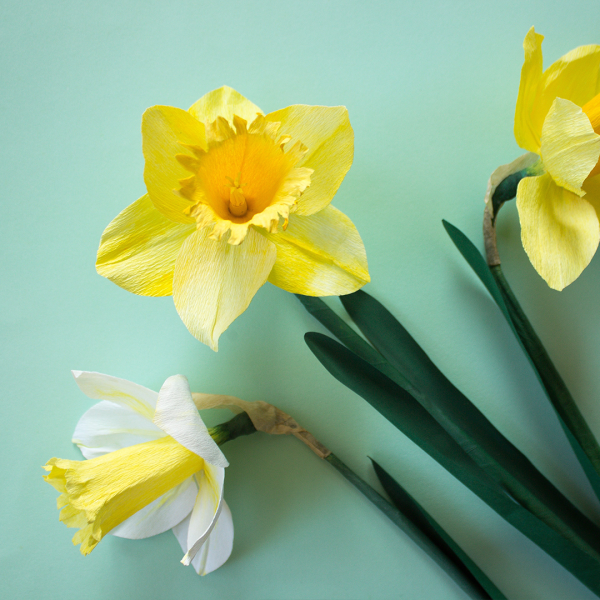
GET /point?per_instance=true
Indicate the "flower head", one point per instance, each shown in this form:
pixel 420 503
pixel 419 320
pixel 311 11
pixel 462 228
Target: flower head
pixel 152 466
pixel 236 198
pixel 558 118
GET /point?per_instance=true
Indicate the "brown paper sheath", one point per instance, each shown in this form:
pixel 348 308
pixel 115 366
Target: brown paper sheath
pixel 265 417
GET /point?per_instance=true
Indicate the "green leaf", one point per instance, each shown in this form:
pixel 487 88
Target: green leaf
pixel 401 409
pixel 434 532
pixel 578 433
pixel 467 425
pixel 457 572
pixel 343 332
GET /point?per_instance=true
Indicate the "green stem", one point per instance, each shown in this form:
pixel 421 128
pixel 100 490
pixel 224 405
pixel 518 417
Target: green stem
pixel 576 429
pixel 242 425
pixel 225 432
pixel 572 420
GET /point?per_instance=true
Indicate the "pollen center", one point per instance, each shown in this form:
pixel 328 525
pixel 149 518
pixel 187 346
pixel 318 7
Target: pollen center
pixel 246 175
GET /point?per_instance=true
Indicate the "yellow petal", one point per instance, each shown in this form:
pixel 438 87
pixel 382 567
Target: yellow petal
pixel 573 77
pixel 559 230
pixel 164 131
pixel 570 148
pixel 100 493
pixel 328 135
pixel 215 281
pixel 224 102
pixel 139 247
pixel 527 130
pixel 319 255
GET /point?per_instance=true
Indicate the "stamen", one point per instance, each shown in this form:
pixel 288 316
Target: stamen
pixel 237 201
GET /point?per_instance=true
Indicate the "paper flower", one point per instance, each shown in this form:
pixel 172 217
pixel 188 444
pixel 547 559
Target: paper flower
pixel 152 466
pixel 236 198
pixel 558 118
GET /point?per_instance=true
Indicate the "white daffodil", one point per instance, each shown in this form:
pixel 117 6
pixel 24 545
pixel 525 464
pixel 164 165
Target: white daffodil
pixel 152 466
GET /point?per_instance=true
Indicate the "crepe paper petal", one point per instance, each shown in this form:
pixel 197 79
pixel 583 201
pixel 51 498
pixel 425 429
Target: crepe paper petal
pixel 573 77
pixel 559 230
pixel 161 515
pixel 214 281
pixel 99 494
pixel 319 255
pixel 207 509
pixel 570 148
pixel 217 548
pixel 120 391
pixel 139 247
pixel 527 130
pixel 224 102
pixel 328 135
pixel 107 427
pixel 177 415
pixel 165 130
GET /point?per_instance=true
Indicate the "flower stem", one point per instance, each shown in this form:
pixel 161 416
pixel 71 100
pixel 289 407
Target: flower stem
pixel 242 425
pixel 578 433
pixel 225 432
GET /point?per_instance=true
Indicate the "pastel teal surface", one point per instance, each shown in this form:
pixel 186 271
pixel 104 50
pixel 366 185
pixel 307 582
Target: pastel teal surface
pixel 431 89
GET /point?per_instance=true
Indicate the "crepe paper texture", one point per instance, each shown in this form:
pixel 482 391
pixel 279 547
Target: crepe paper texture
pixel 558 119
pixel 236 198
pixel 152 466
pixel 398 379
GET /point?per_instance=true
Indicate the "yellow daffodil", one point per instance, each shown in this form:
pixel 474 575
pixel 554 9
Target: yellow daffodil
pixel 152 466
pixel 236 198
pixel 558 118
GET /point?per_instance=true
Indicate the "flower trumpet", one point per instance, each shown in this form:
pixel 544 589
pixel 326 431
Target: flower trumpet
pixel 152 466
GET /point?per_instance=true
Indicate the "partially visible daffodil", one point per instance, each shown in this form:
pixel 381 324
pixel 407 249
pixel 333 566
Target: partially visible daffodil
pixel 558 118
pixel 152 466
pixel 236 198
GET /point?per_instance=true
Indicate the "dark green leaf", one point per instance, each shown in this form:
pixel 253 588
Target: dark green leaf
pixel 465 422
pixel 457 571
pixel 578 433
pixel 408 506
pixel 401 409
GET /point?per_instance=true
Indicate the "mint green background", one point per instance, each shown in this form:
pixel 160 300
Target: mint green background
pixel 431 88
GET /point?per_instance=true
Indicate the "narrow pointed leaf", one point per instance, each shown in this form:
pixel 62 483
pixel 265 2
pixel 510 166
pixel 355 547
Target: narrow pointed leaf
pixel 464 421
pixel 343 332
pixel 457 572
pixel 434 532
pixel 415 422
pixel 578 433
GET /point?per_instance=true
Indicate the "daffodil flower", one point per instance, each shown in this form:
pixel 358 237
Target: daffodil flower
pixel 558 118
pixel 152 466
pixel 236 198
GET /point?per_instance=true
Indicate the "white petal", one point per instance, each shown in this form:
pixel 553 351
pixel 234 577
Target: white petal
pixel 120 391
pixel 177 415
pixel 164 513
pixel 218 546
pixel 206 510
pixel 107 427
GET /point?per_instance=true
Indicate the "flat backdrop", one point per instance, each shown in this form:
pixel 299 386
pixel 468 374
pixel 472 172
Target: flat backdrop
pixel 431 88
